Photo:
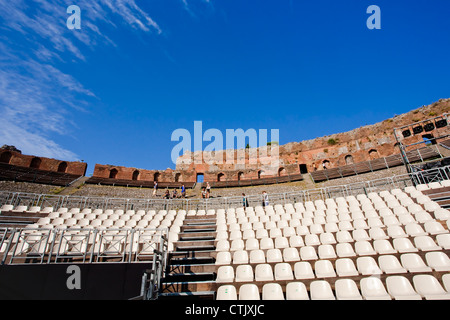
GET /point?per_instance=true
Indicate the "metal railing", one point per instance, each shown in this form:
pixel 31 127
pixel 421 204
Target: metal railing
pixel 388 183
pixel 82 245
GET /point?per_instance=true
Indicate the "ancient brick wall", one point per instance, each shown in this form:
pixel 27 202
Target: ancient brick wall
pixel 41 163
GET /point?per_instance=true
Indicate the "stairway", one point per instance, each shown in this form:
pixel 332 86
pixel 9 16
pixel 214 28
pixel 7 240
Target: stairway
pixel 73 186
pixel 191 267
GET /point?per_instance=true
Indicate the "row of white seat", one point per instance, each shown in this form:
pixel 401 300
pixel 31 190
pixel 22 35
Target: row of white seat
pixel 371 288
pixel 282 271
pixel 328 251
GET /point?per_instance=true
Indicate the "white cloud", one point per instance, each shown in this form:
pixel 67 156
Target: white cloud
pixel 37 98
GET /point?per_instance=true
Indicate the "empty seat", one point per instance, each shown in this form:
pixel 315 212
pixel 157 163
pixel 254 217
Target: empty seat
pixel 283 271
pixel 308 253
pixel 324 269
pixel 400 288
pixel 345 250
pixel 425 243
pixel 364 248
pixel 429 287
pixel 244 273
pixel 223 258
pixel 303 270
pixel 226 292
pixel 383 247
pixel 257 256
pixel 249 291
pixel 321 290
pixel 296 291
pixel 415 230
pixel 367 266
pixel 266 243
pixel 312 240
pixel 396 231
pixel 225 274
pixel 438 261
pixel 414 263
pixel 347 289
pixel 272 291
pixel 240 257
pixel 373 289
pixel 346 268
pixel 404 245
pixel 446 281
pixel 264 272
pixel 326 251
pixel 433 227
pixel 443 241
pixel 390 264
pixel 291 254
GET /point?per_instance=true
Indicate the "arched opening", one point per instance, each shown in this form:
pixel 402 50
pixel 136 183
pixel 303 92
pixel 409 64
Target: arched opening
pixel 113 173
pixel 259 174
pixel 373 154
pixel 177 177
pixel 156 176
pixel 200 178
pixel 5 157
pixel 325 164
pixel 62 167
pixel 35 163
pixel 240 176
pixel 220 177
pixel 428 139
pixel 136 175
pixel 281 172
pixel 349 159
pixel 303 169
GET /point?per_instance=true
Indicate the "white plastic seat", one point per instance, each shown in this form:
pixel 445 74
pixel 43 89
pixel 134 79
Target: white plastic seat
pixel 303 270
pixel 257 256
pixel 223 245
pixel 390 264
pixel 377 233
pixel 296 291
pixel 281 243
pixel 425 243
pixel 308 253
pixel 446 281
pixel 226 292
pixel 240 257
pixel 331 227
pixel 264 272
pixel 347 289
pixel 274 255
pixel 367 266
pixel 291 255
pixel 266 243
pixel 345 250
pixel 346 268
pixel 404 245
pixel 223 258
pixel 312 240
pixel 429 287
pixel 237 244
pixel 423 217
pixel 360 235
pixel 433 227
pixel 344 236
pixel 249 291
pixel 283 271
pixel 438 261
pixel 373 289
pixel 396 231
pixel 364 248
pixel 324 269
pixel 443 241
pixel 225 274
pixel 327 238
pixel 400 288
pixel 321 290
pixel 296 241
pixel 414 263
pixel 326 251
pixel 383 247
pixel 272 291
pixel 415 230
pixel 244 273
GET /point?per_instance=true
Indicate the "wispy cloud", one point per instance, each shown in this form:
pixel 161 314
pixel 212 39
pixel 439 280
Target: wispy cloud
pixel 36 97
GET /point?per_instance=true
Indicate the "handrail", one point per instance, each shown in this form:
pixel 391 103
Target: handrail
pixel 58 201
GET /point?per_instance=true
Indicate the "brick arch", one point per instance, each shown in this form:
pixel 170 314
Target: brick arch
pixel 62 167
pixel 35 163
pixel 5 157
pixel 135 176
pixel 113 173
pixel 349 159
pixel 221 177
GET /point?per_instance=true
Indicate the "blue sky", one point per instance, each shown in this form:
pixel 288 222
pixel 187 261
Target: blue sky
pixel 115 90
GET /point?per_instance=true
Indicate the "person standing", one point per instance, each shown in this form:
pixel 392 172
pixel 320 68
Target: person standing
pixel 265 199
pixel 208 189
pixel 244 200
pixel 155 188
pixel 183 191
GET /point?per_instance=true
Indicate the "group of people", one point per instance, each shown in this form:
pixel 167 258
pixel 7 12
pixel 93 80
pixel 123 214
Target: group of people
pixel 265 199
pixel 167 195
pixel 206 192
